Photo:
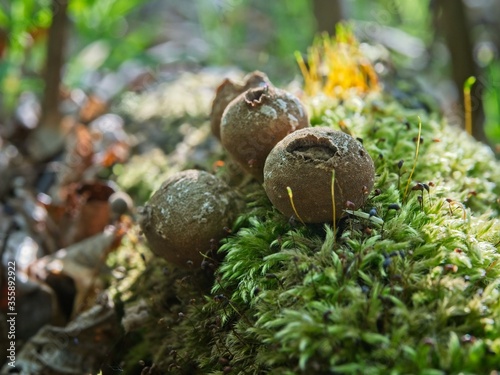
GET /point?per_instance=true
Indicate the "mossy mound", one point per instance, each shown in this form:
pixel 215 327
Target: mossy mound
pixel 408 284
pixel 419 293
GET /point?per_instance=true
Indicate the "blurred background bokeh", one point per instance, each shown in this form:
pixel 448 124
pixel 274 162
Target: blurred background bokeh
pixel 102 46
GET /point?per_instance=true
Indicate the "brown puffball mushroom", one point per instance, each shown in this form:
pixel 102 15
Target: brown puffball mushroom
pixel 256 121
pixel 188 216
pixel 304 161
pixel 227 91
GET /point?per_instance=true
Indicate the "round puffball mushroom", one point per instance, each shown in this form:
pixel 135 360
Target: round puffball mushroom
pixel 256 121
pixel 188 216
pixel 229 90
pixel 304 162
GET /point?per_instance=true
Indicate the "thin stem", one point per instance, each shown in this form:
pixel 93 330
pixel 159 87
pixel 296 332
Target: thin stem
pixel 334 225
pixel 467 103
pixel 290 195
pixel 416 158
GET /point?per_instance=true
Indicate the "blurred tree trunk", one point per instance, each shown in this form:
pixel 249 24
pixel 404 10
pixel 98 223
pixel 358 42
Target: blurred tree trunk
pixel 327 13
pixel 48 137
pixel 54 62
pixel 3 42
pixel 451 20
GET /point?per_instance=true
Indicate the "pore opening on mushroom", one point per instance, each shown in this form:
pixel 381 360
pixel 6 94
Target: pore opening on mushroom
pixel 312 148
pixel 255 96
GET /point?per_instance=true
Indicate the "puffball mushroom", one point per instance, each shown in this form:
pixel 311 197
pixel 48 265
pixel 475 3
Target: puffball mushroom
pixel 188 216
pixel 304 162
pixel 229 90
pixel 256 121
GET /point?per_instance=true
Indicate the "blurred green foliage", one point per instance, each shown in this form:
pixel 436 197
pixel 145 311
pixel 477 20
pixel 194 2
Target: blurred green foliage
pixel 21 23
pixel 492 101
pixel 102 29
pixel 99 39
pixel 257 34
pixel 412 17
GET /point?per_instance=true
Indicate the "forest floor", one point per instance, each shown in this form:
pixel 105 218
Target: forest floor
pixel 90 295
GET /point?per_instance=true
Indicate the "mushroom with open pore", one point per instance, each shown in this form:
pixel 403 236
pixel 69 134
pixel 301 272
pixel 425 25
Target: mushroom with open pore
pixel 229 90
pixel 255 121
pixel 303 163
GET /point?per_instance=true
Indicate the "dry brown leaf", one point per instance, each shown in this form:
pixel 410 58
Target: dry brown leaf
pixel 78 348
pixel 82 262
pixel 92 108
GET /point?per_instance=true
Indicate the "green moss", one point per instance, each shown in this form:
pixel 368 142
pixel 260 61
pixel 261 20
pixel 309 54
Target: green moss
pixel 143 174
pixel 418 294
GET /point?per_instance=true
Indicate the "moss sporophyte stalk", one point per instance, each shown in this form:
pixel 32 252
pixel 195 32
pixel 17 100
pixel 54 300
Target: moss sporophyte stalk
pixel 407 283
